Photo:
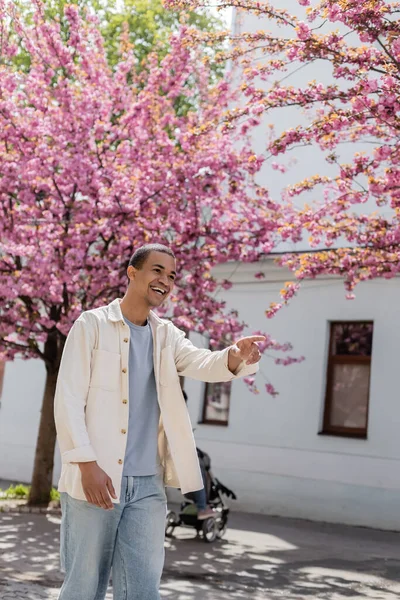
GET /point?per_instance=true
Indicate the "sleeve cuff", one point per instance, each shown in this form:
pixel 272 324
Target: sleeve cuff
pixel 243 370
pixel 82 454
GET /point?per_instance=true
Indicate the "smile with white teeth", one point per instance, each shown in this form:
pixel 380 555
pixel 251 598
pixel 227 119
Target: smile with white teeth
pixel 159 291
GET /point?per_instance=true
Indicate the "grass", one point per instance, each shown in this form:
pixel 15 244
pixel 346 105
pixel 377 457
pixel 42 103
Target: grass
pixel 21 492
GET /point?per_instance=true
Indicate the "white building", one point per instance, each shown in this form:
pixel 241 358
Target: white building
pixel 328 447
pixel 274 452
pixel 281 455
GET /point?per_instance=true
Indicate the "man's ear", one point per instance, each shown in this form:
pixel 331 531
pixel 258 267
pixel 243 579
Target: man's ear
pixel 131 272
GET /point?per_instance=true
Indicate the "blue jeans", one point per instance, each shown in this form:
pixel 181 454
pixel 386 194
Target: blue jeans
pixel 129 539
pixel 200 497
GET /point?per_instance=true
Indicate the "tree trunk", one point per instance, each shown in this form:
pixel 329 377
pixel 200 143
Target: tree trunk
pixel 42 478
pixel 44 457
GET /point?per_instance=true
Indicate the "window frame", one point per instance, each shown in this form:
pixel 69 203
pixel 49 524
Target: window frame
pixel 204 420
pixel 340 430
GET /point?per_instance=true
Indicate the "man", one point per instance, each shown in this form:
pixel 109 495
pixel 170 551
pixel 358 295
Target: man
pixel 124 432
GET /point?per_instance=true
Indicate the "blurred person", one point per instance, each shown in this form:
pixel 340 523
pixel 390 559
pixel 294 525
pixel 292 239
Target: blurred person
pixel 199 497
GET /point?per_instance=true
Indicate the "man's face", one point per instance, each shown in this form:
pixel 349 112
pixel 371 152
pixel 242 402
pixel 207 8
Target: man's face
pixel 155 280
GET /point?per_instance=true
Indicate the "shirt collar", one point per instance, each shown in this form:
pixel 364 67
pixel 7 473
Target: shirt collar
pixel 115 313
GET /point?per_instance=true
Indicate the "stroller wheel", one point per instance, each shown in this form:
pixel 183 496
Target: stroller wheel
pixel 222 530
pixel 210 530
pixel 171 523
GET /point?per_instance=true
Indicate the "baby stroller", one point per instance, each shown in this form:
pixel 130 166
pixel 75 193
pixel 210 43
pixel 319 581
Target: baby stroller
pixel 213 527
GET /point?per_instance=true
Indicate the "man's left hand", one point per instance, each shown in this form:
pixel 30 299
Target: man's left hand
pixel 246 350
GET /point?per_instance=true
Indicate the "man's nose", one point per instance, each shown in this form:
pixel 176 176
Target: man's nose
pixel 164 280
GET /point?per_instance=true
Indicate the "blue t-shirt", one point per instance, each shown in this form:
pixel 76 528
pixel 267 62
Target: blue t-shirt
pixel 141 456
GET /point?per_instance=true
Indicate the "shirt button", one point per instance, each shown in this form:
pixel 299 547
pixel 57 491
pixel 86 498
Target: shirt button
pixel 120 462
pixel 123 430
pixel 124 401
pixel 124 370
pixel 126 340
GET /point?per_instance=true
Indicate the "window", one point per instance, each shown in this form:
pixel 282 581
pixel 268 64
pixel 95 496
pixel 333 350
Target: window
pixel 216 403
pixel 217 398
pixel 349 370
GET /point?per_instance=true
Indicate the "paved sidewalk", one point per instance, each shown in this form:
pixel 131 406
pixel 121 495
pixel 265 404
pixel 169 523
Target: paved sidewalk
pixel 262 558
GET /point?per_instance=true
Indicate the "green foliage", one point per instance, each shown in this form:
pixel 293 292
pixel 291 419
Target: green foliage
pixel 21 492
pixel 17 492
pixel 149 24
pixel 54 495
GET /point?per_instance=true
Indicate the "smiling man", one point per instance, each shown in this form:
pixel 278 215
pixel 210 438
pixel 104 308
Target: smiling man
pixel 124 432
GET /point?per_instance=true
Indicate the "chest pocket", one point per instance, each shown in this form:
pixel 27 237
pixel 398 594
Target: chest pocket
pixel 168 373
pixel 106 370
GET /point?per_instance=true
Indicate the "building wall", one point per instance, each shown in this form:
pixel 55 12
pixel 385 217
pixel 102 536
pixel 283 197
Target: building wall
pixel 271 453
pixel 20 405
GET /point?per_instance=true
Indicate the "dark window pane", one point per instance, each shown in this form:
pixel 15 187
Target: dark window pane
pixel 350 388
pixel 217 401
pixel 352 339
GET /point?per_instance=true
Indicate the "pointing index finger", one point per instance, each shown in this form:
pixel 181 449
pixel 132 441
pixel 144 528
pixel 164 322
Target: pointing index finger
pixel 257 338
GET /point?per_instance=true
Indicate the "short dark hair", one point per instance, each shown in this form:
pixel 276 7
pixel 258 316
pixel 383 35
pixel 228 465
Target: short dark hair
pixel 140 255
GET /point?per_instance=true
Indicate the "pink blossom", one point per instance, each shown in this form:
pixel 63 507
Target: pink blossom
pixel 303 30
pixel 273 309
pixel 271 390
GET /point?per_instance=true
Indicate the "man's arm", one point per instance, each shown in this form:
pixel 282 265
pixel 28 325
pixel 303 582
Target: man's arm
pixel 205 365
pixel 71 394
pixel 69 413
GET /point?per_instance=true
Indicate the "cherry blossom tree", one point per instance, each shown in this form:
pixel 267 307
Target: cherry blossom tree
pixel 354 212
pixel 95 161
pixel 147 22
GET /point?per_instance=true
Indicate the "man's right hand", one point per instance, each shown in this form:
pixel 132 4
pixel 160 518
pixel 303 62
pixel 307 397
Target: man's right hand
pixel 97 485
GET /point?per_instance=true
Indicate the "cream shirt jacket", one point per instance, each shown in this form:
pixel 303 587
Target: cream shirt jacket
pixel 92 403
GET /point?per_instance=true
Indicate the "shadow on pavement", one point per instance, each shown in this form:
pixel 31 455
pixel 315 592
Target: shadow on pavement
pixel 29 547
pixel 272 558
pixel 261 557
